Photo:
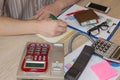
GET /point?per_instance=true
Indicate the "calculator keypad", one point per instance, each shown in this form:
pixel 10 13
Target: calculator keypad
pixel 104 48
pixel 38 51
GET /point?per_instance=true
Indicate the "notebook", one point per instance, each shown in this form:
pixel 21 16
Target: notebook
pixel 60 38
pixel 103 70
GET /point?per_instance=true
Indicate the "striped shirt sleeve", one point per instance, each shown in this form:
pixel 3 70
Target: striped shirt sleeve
pixel 24 9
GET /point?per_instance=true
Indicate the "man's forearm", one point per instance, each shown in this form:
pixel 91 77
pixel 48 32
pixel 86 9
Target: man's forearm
pixel 9 26
pixel 65 3
pixel 46 27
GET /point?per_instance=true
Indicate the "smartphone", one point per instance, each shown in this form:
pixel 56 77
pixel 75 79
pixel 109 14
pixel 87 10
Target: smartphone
pixel 98 7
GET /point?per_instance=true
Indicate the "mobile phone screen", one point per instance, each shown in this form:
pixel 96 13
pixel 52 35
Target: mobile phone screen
pixel 97 6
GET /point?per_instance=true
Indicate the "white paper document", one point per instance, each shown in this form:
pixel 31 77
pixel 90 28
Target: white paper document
pixel 72 22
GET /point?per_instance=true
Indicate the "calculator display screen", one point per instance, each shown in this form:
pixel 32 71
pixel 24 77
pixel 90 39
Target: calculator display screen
pixel 33 64
pixel 117 53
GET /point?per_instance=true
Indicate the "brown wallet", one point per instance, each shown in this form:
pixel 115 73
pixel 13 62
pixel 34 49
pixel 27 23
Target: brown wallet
pixel 86 15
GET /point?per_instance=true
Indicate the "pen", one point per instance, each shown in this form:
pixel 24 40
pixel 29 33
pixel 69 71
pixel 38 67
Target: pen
pixel 53 17
pixel 74 12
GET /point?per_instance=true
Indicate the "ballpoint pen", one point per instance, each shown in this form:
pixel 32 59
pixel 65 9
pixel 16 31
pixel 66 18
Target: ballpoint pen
pixel 53 17
pixel 69 14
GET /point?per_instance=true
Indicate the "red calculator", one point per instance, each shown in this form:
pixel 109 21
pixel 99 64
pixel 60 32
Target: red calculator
pixel 36 57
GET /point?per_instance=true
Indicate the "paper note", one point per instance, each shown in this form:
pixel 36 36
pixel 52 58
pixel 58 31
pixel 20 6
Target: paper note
pixel 56 39
pixel 103 70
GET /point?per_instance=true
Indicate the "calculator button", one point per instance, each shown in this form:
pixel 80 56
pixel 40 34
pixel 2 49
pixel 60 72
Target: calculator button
pixel 30 51
pixel 101 43
pixel 104 50
pixel 97 47
pixel 39 58
pixel 108 46
pixel 44 58
pixel 104 44
pixel 37 52
pixel 41 44
pixel 100 48
pixel 44 50
pixel 38 47
pixel 32 45
pixel 35 58
pixel 29 58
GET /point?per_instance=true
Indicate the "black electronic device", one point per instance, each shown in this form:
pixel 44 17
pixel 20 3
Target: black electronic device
pixel 98 7
pixel 108 50
pixel 76 70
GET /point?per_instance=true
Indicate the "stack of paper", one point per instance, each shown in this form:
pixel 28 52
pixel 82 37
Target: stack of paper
pixel 56 39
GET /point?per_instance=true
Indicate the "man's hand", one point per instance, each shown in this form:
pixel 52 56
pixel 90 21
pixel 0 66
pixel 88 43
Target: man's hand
pixel 45 12
pixel 51 28
pixel 46 27
pixel 54 8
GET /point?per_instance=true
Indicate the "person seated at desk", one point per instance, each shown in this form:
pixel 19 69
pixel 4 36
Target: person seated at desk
pixel 32 17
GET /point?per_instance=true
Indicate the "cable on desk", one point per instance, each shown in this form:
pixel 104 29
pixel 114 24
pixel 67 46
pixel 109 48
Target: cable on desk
pixel 74 36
